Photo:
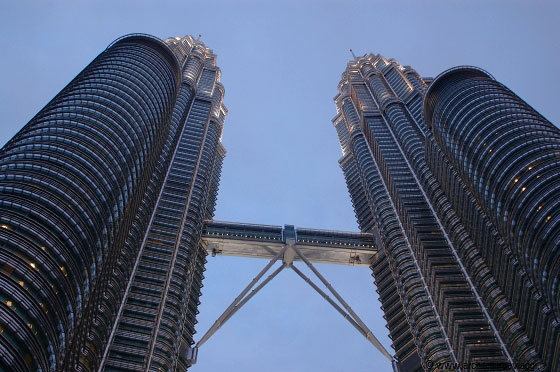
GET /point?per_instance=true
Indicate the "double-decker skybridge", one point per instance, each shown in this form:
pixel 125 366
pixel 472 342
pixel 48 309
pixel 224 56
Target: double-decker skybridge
pixel 288 244
pixel 265 241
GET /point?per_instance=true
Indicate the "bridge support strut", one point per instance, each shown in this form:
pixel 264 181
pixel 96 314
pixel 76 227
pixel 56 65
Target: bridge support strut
pixel 288 253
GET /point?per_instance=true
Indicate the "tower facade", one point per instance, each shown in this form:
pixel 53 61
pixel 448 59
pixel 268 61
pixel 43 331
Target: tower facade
pixel 458 180
pixel 102 198
pixel 104 194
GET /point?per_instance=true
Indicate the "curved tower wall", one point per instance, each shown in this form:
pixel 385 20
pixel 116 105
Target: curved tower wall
pixel 450 200
pixel 102 200
pixel 71 182
pixel 156 315
pixel 507 156
pixel 375 103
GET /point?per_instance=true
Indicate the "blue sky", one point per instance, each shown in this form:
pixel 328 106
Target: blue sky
pixel 281 63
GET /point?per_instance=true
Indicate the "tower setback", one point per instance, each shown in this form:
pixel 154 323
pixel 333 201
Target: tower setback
pixel 458 178
pixel 107 197
pixel 102 199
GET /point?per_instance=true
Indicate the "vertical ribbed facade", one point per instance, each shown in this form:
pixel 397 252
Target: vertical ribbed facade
pixel 445 282
pixel 505 158
pixel 102 199
pixel 157 314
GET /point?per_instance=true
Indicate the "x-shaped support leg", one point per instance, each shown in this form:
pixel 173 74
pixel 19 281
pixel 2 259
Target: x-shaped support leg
pixel 288 254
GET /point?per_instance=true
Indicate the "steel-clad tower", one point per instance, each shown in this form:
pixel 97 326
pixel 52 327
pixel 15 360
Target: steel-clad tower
pixel 102 200
pixel 107 197
pixel 458 179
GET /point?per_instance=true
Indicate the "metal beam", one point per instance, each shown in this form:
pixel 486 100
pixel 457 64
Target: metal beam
pixel 254 292
pixel 217 324
pixel 347 316
pixel 289 252
pixel 369 335
pixel 329 300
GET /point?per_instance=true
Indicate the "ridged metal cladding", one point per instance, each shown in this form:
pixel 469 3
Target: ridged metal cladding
pixel 443 266
pixel 70 183
pixel 370 161
pixel 509 157
pixel 152 324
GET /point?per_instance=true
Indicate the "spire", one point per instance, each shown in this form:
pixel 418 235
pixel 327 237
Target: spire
pixel 353 55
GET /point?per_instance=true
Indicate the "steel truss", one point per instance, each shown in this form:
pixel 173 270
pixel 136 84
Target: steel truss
pixel 288 253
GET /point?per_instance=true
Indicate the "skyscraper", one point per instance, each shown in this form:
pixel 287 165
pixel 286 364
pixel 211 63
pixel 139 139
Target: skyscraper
pixel 458 179
pixel 105 196
pixel 102 199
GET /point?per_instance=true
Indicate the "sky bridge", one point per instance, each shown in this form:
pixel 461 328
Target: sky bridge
pixel 288 244
pixel 265 241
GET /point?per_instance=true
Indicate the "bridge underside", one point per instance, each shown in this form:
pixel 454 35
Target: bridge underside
pixel 265 241
pixel 288 244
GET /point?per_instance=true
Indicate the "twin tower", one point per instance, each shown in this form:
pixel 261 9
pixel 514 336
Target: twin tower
pixel 107 197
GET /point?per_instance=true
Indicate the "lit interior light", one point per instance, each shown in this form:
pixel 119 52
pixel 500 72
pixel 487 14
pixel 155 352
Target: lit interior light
pixel 548 218
pixel 4 226
pixel 523 189
pixel 539 208
pixel 9 303
pixel 530 168
pixel 32 265
pixel 490 150
pixel 21 283
pixel 516 180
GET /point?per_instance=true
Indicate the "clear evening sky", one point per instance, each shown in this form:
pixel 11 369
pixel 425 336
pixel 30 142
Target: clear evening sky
pixel 281 63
